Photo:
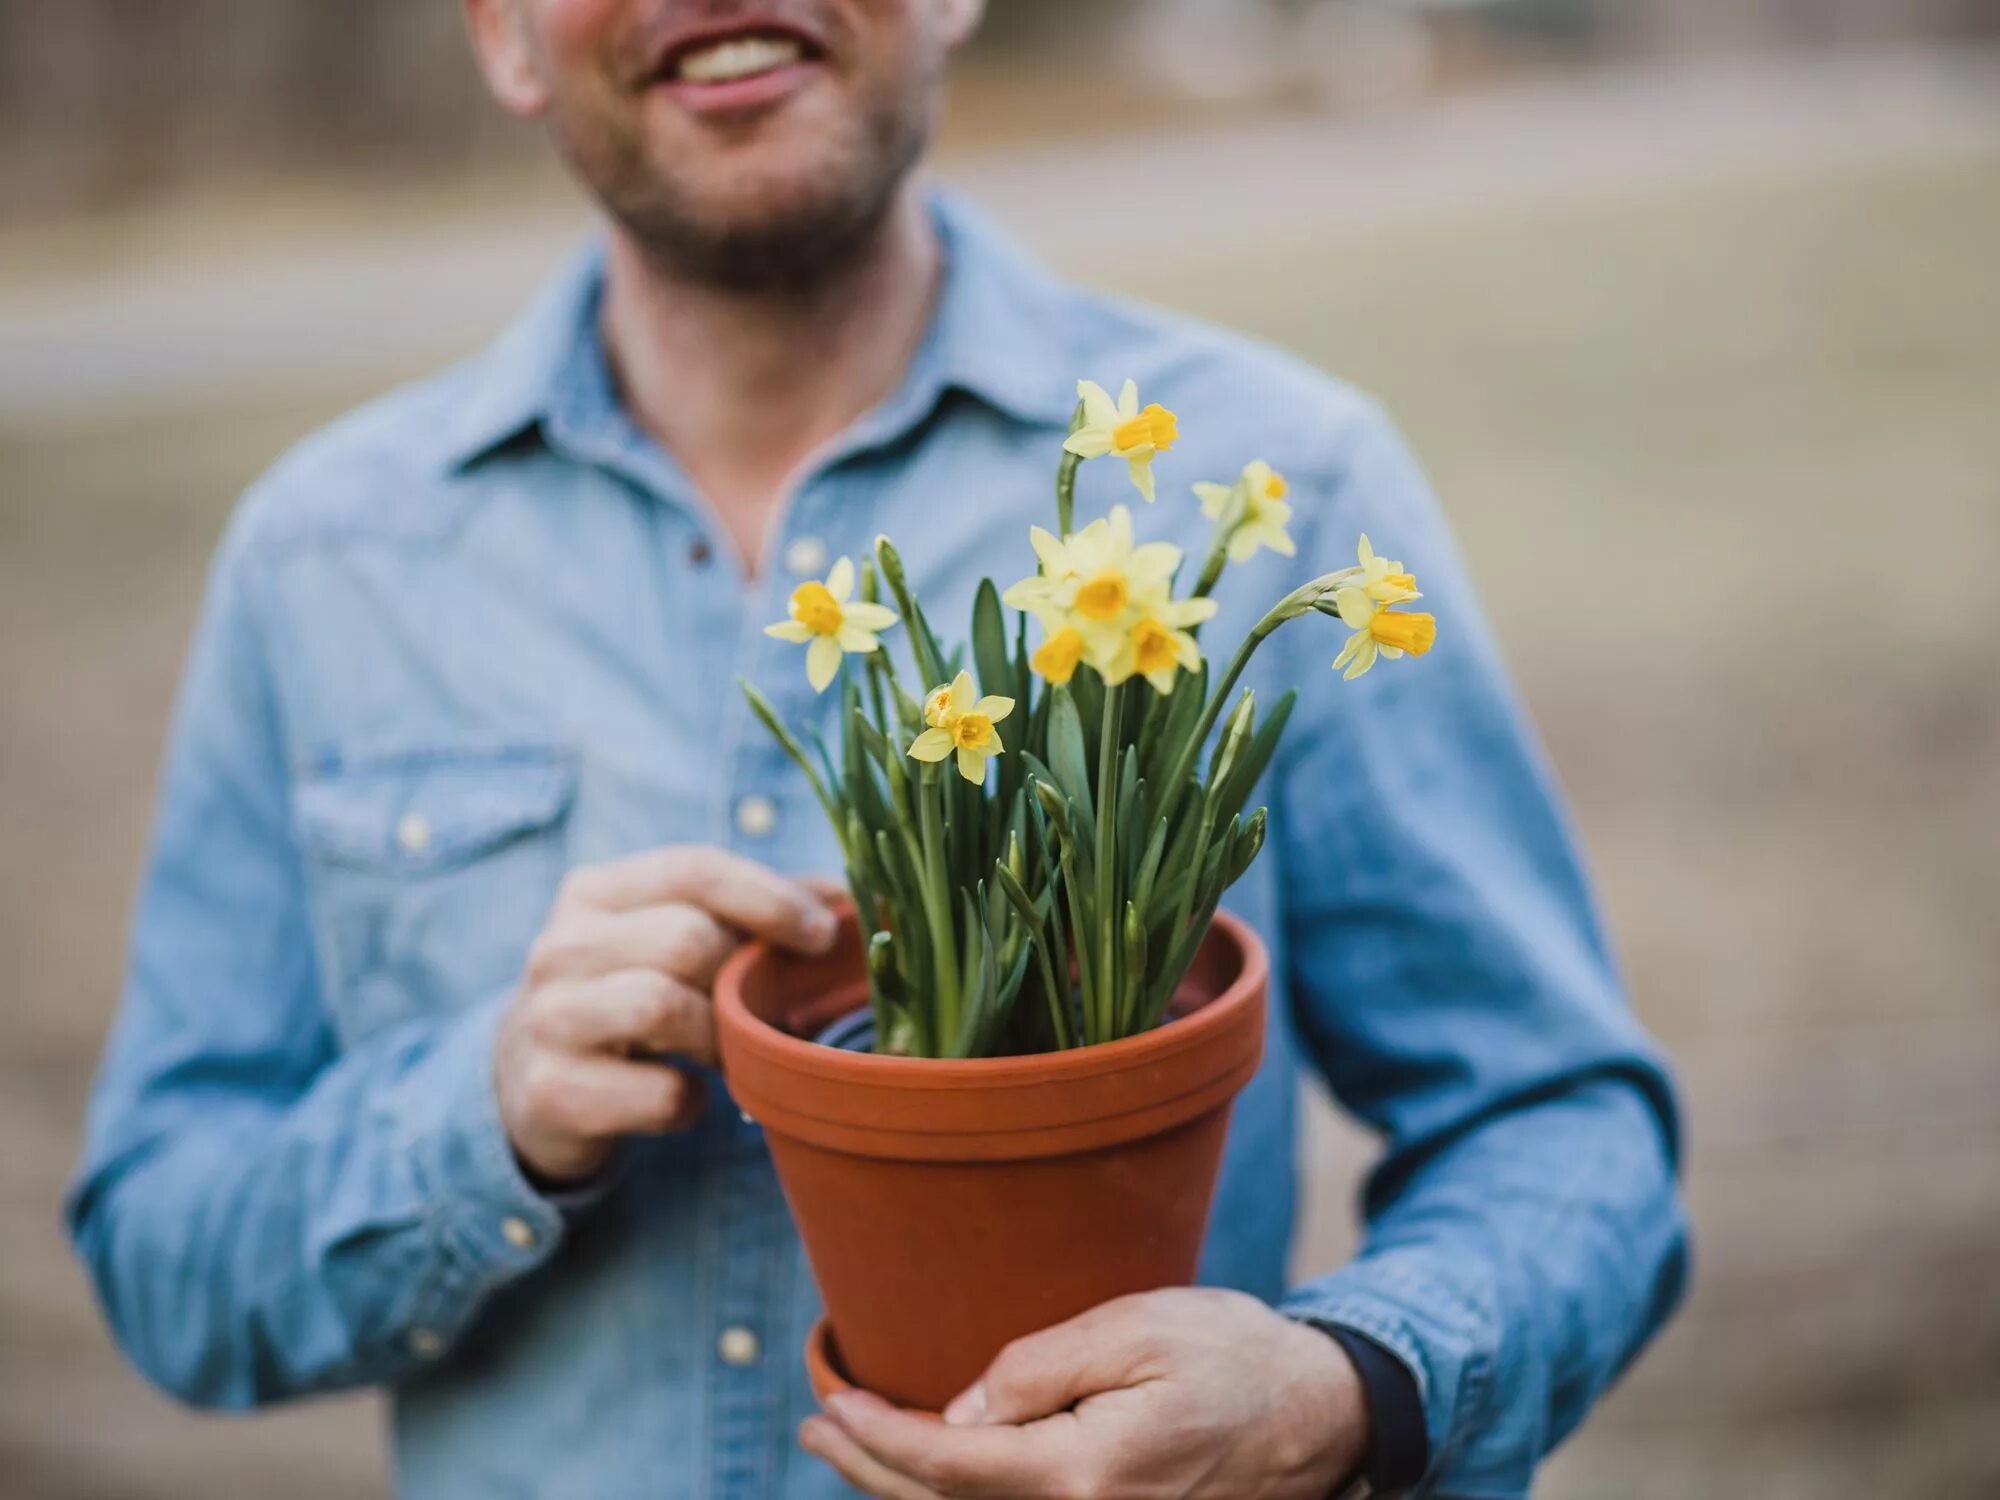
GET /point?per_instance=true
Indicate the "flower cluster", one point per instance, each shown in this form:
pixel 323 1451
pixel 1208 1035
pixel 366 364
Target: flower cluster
pixel 1102 599
pixel 1041 893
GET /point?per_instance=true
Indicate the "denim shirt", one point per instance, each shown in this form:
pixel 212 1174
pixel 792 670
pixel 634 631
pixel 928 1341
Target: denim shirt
pixel 485 630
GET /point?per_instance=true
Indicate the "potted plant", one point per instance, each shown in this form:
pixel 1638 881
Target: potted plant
pixel 1041 1017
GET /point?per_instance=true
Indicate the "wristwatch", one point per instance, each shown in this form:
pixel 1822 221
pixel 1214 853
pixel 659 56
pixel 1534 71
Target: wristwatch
pixel 1398 1444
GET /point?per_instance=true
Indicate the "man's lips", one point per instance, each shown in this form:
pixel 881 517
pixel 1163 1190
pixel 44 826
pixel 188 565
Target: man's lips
pixel 744 93
pixel 739 67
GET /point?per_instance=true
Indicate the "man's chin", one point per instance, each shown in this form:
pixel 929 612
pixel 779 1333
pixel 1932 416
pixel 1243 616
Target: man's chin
pixel 783 234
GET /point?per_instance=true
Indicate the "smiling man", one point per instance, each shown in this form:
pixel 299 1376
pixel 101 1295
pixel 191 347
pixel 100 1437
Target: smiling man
pixel 411 1084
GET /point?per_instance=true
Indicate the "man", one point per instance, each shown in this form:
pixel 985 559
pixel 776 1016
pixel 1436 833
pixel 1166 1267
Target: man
pixel 411 1084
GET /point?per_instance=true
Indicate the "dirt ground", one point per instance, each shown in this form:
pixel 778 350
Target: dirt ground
pixel 1725 459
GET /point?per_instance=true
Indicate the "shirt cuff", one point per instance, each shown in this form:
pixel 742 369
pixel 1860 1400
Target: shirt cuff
pixel 1397 1301
pixel 1398 1449
pixel 489 1223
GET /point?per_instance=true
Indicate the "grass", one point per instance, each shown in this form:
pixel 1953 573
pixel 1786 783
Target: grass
pixel 1724 459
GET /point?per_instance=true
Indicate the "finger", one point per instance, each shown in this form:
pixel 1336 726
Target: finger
pixel 824 1440
pixel 631 1010
pixel 981 1463
pixel 681 941
pixel 596 1098
pixel 739 891
pixel 1105 1349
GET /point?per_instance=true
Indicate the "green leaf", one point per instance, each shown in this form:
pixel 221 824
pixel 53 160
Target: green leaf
pixel 1244 849
pixel 989 642
pixel 1069 755
pixel 1164 735
pixel 923 644
pixel 1241 779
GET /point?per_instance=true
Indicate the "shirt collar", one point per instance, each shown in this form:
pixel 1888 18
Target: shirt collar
pixel 997 334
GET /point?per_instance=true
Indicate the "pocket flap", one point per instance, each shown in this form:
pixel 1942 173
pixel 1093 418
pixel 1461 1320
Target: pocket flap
pixel 422 811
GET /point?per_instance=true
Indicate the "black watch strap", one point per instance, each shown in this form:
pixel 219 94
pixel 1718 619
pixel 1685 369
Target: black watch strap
pixel 1398 1445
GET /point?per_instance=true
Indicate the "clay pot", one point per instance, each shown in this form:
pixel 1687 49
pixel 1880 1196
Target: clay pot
pixel 949 1207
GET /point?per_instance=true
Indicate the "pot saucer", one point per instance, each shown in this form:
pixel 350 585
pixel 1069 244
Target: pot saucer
pixel 823 1366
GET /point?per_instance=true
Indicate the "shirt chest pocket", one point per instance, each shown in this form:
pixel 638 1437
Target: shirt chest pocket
pixel 429 875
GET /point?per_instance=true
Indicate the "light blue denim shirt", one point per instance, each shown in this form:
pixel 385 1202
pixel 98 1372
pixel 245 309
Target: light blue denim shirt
pixel 485 630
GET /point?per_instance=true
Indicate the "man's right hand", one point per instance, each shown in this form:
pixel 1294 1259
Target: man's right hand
pixel 624 968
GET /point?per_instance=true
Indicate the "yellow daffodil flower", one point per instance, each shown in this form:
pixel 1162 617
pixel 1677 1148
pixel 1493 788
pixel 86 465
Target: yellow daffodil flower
pixel 1096 582
pixel 1379 631
pixel 1381 580
pixel 824 616
pixel 1158 646
pixel 1057 657
pixel 963 723
pixel 1122 430
pixel 1258 499
pixel 1040 595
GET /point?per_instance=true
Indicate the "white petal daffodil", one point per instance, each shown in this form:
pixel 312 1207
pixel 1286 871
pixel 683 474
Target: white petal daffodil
pixel 1058 657
pixel 1093 588
pixel 830 624
pixel 1121 429
pixel 1257 502
pixel 1383 581
pixel 1041 595
pixel 1379 631
pixel 1158 646
pixel 960 720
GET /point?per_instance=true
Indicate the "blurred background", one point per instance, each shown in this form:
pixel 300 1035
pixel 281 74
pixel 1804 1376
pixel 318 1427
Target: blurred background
pixel 1692 307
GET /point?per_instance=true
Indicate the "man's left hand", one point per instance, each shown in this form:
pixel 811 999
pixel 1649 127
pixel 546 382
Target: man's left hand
pixel 1182 1393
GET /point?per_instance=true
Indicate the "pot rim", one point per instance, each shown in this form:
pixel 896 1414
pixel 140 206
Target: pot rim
pixel 1187 1032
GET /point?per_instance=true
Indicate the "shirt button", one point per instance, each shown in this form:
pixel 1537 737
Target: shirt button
pixel 414 833
pixel 738 1346
pixel 756 816
pixel 699 552
pixel 517 1232
pixel 426 1343
pixel 805 557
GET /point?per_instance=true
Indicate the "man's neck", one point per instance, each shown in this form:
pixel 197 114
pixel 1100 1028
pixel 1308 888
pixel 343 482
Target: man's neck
pixel 742 387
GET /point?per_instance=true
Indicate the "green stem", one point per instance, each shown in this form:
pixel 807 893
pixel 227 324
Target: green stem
pixel 1218 550
pixel 1057 998
pixel 1184 763
pixel 1109 988
pixel 769 717
pixel 1211 569
pixel 937 907
pixel 1066 479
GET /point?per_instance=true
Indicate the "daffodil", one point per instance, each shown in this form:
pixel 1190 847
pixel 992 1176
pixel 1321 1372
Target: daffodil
pixel 834 625
pixel 1097 583
pixel 963 723
pixel 1381 580
pixel 1041 595
pixel 1057 657
pixel 1257 500
pixel 1379 631
pixel 1158 646
pixel 1122 430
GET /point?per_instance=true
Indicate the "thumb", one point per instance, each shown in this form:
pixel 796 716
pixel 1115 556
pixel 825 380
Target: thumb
pixel 1048 1372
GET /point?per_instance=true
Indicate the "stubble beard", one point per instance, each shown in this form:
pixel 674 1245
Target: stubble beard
pixel 796 240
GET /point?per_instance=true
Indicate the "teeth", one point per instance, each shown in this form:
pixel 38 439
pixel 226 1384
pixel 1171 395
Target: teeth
pixel 739 57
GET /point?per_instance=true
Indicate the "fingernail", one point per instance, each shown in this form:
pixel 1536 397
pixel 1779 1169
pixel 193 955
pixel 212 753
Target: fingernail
pixel 820 925
pixel 968 1409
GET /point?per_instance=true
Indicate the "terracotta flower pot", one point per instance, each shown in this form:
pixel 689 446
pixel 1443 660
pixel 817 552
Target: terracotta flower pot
pixel 949 1207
